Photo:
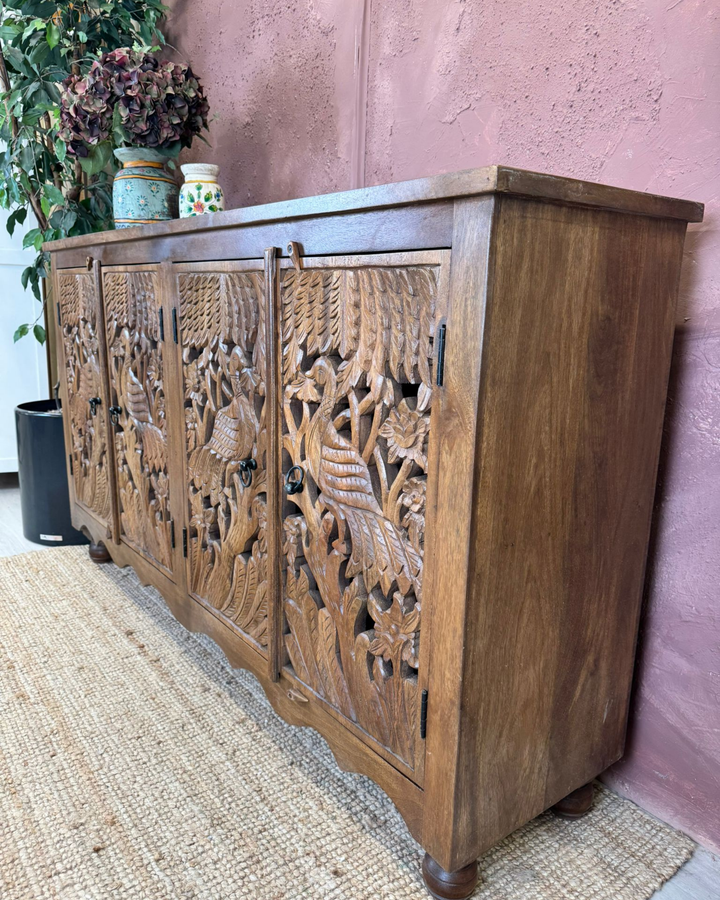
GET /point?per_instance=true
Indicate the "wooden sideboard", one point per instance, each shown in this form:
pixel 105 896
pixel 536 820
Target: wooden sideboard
pixel 395 450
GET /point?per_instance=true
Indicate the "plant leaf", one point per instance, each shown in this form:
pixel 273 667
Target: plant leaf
pixel 52 35
pixel 31 237
pixel 39 333
pixel 97 159
pixel 17 217
pixel 54 194
pixel 20 332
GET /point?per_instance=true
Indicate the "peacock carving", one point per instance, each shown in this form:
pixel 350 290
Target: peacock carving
pixel 357 391
pixel 78 302
pixel 233 435
pixel 138 410
pixel 224 375
pixel 136 387
pixel 378 548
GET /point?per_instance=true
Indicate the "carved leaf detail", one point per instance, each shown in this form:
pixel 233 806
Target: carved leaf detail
pixel 352 338
pixel 132 308
pixel 223 356
pixel 78 311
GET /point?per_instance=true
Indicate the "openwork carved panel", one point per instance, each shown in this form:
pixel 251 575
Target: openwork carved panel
pixel 357 351
pixel 79 316
pixel 223 364
pixel 132 314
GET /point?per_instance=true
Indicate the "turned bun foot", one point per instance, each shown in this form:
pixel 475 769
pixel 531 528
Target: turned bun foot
pixel 576 804
pixel 449 885
pixel 98 552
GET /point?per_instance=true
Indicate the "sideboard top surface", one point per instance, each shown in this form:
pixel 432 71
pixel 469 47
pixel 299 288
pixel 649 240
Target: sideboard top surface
pixel 470 182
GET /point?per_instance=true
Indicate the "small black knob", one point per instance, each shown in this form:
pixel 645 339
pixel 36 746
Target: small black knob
pixel 294 485
pixel 115 415
pixel 94 403
pixel 247 467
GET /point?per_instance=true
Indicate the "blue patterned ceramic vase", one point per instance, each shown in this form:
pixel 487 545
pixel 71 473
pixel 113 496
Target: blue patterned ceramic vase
pixel 143 190
pixel 201 192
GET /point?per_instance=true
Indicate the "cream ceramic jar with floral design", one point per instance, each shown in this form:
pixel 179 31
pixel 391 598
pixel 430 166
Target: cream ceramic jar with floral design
pixel 201 192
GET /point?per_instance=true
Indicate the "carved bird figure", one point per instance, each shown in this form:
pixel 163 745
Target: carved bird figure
pixel 232 439
pixel 138 409
pixel 379 549
pixel 86 386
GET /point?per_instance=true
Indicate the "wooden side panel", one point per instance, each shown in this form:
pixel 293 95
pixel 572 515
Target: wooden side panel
pixel 451 504
pixel 574 378
pixel 222 341
pixel 81 334
pixel 357 380
pixel 135 351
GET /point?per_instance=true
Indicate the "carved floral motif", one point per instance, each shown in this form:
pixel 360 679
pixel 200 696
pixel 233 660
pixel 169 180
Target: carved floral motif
pixel 357 351
pixel 224 388
pixel 78 313
pixel 136 385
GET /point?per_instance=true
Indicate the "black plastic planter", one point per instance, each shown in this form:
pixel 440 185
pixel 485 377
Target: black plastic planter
pixel 43 477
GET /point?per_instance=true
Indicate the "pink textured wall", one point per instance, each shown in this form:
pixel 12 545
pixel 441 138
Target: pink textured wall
pixel 320 95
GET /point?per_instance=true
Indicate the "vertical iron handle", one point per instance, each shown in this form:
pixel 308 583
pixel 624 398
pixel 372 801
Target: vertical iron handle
pixel 294 485
pixel 115 415
pixel 247 467
pixel 94 403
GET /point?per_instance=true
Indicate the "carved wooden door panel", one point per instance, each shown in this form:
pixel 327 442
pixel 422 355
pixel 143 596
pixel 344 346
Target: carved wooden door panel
pixel 137 404
pixel 222 342
pixel 358 356
pixel 81 336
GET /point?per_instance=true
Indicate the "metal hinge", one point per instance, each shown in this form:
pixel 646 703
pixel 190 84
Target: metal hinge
pixel 175 325
pixel 440 371
pixel 162 324
pixel 184 541
pixel 58 314
pixel 71 464
pixel 423 714
pixel 172 533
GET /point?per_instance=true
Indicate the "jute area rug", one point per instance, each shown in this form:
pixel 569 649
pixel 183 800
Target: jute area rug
pixel 134 763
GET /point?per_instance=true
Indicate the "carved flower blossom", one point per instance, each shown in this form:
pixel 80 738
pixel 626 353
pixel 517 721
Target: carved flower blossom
pixel 304 388
pixel 260 511
pixel 397 633
pixel 195 388
pixel 202 517
pixel 405 430
pixel 413 499
pixel 295 528
pixel 161 485
pixel 191 428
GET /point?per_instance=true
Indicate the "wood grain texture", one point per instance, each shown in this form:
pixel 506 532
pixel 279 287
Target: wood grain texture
pixel 137 395
pixel 576 357
pixel 416 227
pixel 481 538
pixel 357 360
pixel 85 396
pixel 450 496
pixel 221 322
pixel 488 180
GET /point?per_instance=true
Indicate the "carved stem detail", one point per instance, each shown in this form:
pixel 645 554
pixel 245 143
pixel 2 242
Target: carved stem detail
pixel 357 350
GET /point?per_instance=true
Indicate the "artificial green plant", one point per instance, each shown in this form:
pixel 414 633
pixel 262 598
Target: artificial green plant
pixel 42 43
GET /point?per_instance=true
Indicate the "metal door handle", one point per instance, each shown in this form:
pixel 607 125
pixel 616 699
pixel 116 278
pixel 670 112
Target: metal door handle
pixel 294 485
pixel 115 412
pixel 94 403
pixel 247 467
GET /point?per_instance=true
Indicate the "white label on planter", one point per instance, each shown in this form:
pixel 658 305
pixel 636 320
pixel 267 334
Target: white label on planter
pixel 50 537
